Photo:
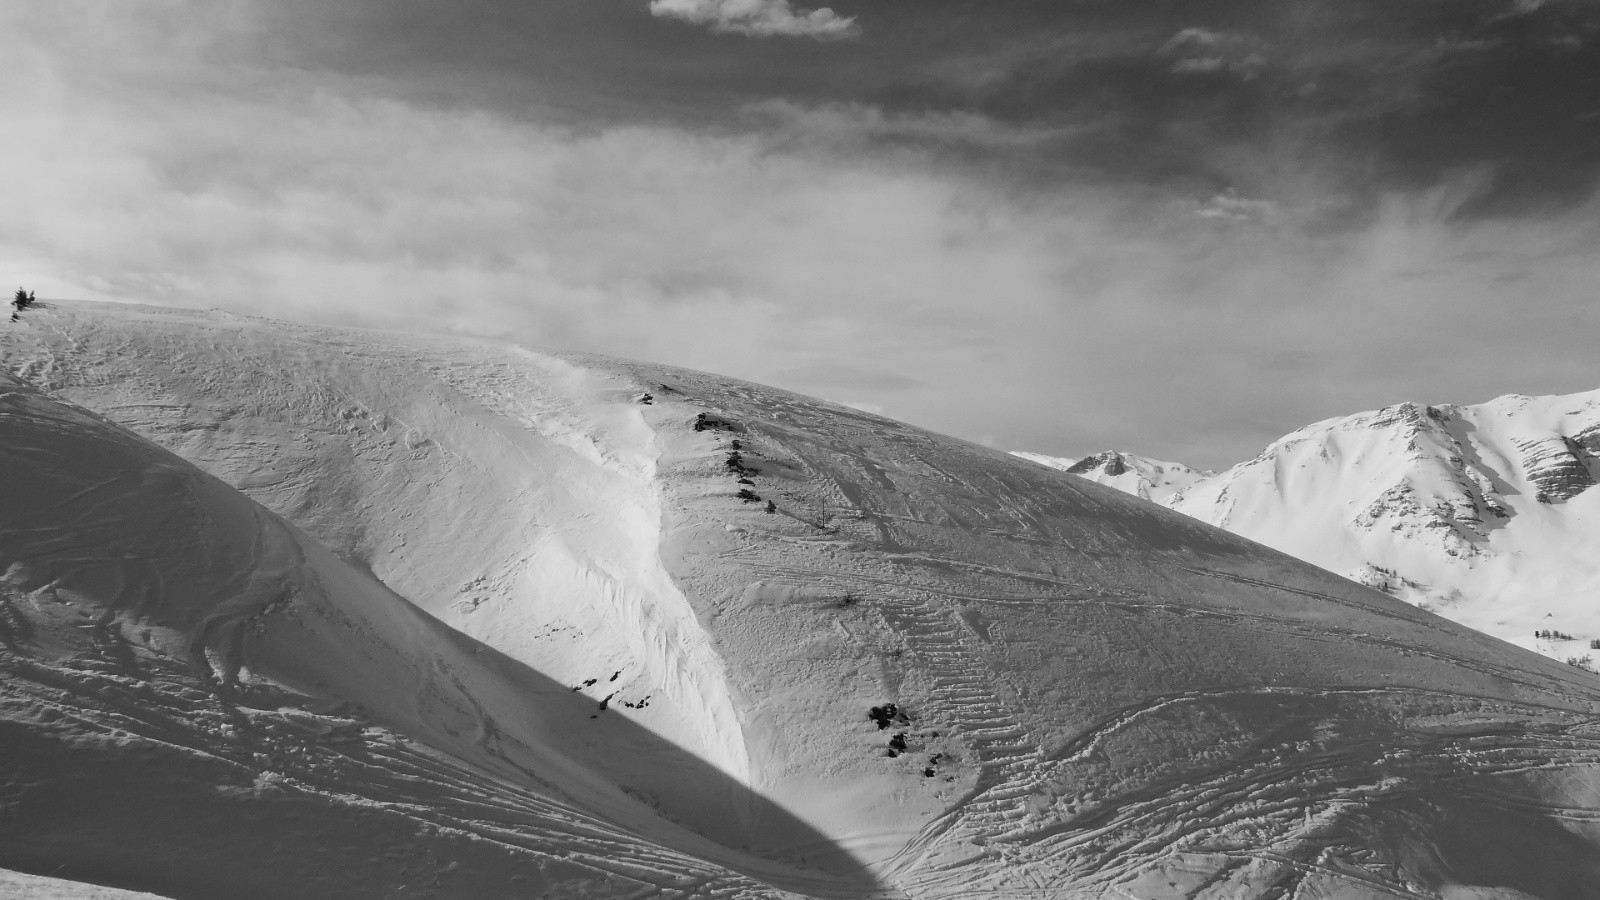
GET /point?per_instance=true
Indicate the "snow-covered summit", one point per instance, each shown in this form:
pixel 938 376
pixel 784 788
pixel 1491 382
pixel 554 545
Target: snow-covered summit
pixel 450 618
pixel 1141 476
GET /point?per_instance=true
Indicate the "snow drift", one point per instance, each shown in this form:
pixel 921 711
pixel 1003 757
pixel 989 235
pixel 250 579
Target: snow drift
pixel 461 619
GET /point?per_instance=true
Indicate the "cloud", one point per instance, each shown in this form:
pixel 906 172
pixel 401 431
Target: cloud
pixel 1201 51
pixel 837 375
pixel 1229 207
pixel 1048 314
pixel 759 18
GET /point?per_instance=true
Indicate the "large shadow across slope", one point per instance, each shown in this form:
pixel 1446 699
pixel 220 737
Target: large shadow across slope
pixel 108 537
pixel 711 814
pixel 142 779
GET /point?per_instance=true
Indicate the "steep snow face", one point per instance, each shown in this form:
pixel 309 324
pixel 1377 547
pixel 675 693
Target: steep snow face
pixel 1483 513
pixel 977 676
pixel 197 698
pixel 507 493
pixel 1152 479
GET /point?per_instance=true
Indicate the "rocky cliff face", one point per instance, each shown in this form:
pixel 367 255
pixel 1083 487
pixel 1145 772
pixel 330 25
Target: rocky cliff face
pixel 1441 491
pixel 1558 466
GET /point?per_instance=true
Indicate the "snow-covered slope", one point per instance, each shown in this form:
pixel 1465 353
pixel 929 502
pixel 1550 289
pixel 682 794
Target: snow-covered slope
pixel 523 624
pixel 1152 479
pixel 199 698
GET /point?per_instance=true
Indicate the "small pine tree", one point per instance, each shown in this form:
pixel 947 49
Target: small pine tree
pixel 20 299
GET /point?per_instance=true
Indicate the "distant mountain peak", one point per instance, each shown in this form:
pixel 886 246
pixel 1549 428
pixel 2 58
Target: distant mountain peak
pixel 1109 462
pixel 1484 512
pixel 1141 476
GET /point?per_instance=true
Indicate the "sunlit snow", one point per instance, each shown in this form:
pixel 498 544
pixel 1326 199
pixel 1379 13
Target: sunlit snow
pixel 295 611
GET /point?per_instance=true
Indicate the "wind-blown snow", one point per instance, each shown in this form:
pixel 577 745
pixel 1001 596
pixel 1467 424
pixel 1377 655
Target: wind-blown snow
pixel 485 622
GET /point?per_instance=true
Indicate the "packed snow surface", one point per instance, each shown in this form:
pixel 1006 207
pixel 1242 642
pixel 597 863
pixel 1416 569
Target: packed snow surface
pixel 292 611
pixel 1485 514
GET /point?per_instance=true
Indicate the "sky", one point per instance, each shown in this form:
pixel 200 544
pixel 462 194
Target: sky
pixel 1179 228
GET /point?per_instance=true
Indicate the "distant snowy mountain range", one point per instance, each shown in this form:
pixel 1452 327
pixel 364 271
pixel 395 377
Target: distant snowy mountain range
pixel 1485 514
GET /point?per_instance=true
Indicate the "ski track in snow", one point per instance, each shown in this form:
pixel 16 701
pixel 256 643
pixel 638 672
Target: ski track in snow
pixel 552 651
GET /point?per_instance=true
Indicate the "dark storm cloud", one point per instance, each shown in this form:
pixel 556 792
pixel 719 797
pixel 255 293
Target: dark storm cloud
pixel 1260 95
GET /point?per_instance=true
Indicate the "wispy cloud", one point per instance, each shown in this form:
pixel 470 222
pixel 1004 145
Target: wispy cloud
pixel 1200 51
pixel 1229 207
pixel 759 18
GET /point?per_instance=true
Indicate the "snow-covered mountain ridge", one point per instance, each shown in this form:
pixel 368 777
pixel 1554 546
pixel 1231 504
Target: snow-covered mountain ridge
pixel 1483 513
pixel 1150 479
pixel 294 611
